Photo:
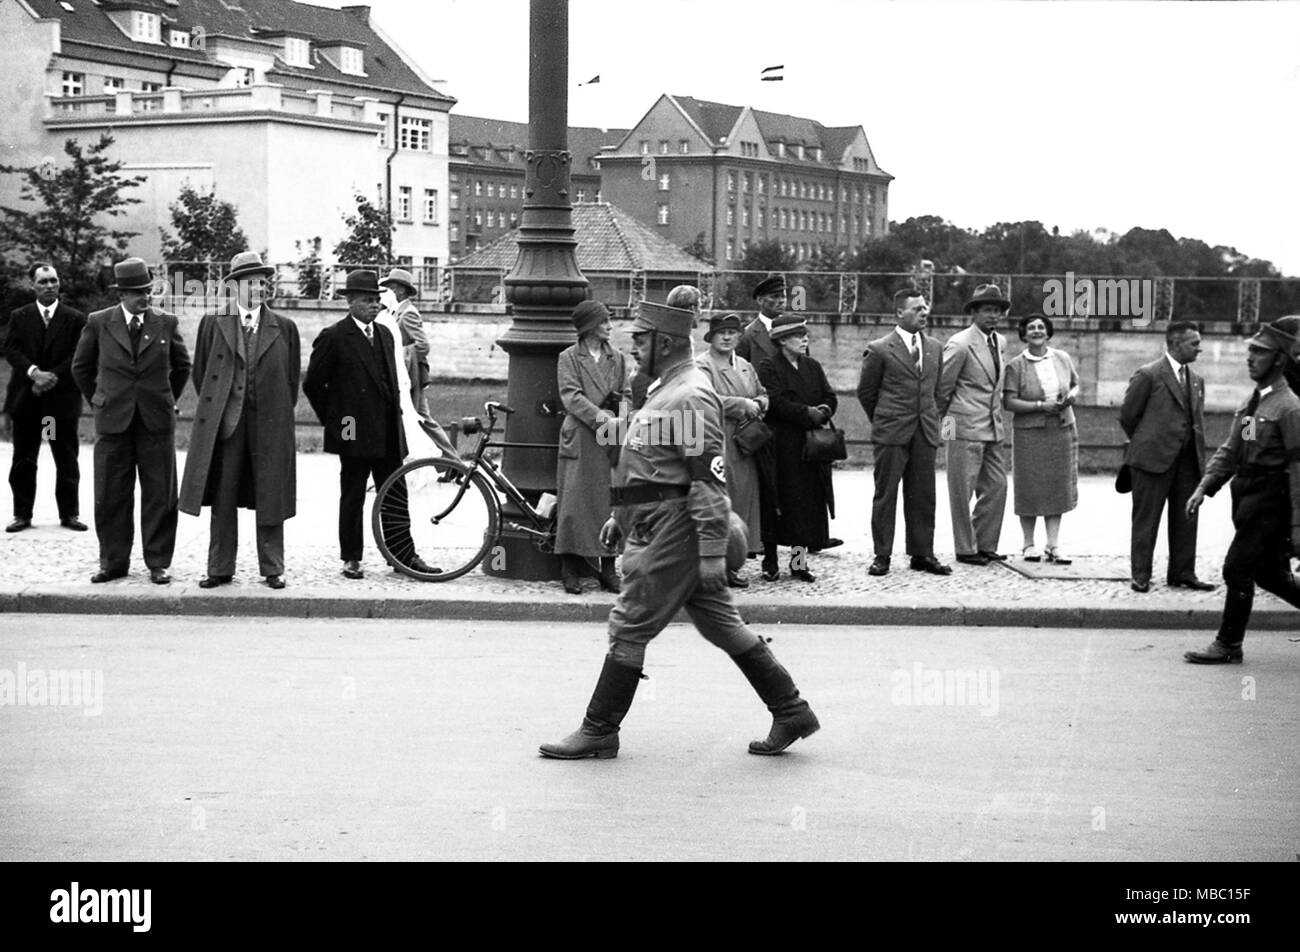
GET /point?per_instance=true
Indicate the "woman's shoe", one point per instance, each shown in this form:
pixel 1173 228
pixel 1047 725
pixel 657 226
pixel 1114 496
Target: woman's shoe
pixel 572 585
pixel 1054 555
pixel 1030 553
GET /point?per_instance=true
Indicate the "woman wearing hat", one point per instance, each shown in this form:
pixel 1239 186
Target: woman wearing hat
pixel 1040 388
pixel 800 399
pixel 593 380
pixel 743 400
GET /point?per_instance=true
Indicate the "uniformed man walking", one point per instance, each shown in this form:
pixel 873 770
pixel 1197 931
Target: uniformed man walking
pixel 1262 458
pixel 670 504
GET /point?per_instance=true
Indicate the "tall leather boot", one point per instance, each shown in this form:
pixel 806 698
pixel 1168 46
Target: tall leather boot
pixel 1226 647
pixel 598 735
pixel 609 579
pixel 792 718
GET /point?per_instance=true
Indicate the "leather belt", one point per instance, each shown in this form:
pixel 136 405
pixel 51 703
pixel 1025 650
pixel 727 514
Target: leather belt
pixel 645 492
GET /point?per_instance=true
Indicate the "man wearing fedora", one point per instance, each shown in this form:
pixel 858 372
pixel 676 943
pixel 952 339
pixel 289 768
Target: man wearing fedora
pixel 352 386
pixel 131 365
pixel 670 504
pixel 970 412
pixel 1262 458
pixel 42 338
pixel 242 450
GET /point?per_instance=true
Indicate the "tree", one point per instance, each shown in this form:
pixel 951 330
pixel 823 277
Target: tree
pixel 68 228
pixel 370 235
pixel 206 231
pixel 310 273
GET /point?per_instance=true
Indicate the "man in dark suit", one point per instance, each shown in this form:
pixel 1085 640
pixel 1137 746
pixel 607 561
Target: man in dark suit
pixel 351 384
pixel 132 365
pixel 242 450
pixel 899 390
pixel 42 339
pixel 1164 418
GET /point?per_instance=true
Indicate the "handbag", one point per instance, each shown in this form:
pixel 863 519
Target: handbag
pixel 751 436
pixel 824 445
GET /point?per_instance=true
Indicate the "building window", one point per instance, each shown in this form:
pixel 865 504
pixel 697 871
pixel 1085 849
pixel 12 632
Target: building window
pixel 731 181
pixel 453 231
pixel 645 146
pixel 478 187
pixel 663 146
pixel 761 217
pixel 798 150
pixel 492 189
pixel 844 195
pixel 762 185
pixel 491 218
pixel 597 198
pixel 146 27
pixel 243 76
pixel 73 84
pixel 431 206
pixel 415 134
pixel 745 182
pixel 780 150
pixel 684 146
pixel 662 216
pixel 148 87
pixel 744 217
pixel 731 214
pixel 404 203
pixel 664 182
pixel 178 38
pixel 582 195
pixel 453 197
pixel 514 191
pixel 112 84
pixel 297 51
pixel 478 217
pixel 350 61
pixel 731 250
pixel 844 224
pixel 514 219
pixel 383 129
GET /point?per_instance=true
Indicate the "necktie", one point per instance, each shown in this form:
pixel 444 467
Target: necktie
pixel 135 333
pixel 47 315
pixel 916 351
pixel 1253 405
pixel 993 349
pixel 370 336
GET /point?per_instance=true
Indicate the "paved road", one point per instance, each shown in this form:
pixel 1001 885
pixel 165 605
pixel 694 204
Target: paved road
pixel 345 740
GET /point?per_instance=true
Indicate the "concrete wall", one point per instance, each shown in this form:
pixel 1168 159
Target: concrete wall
pixel 29 47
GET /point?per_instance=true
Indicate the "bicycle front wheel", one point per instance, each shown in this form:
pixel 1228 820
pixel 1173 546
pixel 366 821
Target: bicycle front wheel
pixel 435 514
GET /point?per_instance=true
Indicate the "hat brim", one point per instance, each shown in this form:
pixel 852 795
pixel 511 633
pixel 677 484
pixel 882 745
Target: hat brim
pixel 132 287
pixel 1000 302
pixel 264 271
pixel 400 283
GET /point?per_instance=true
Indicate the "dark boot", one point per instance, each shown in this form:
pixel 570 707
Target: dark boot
pixel 598 735
pixel 571 574
pixel 792 718
pixel 771 570
pixel 1237 605
pixel 609 579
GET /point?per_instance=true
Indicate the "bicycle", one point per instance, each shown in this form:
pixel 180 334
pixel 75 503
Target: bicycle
pixel 450 512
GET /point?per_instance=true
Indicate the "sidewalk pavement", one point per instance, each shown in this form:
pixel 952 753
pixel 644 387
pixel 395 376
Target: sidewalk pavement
pixel 48 568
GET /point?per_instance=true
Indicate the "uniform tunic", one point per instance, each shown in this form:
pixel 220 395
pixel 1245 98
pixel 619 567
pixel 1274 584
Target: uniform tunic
pixel 675 439
pixel 736 382
pixel 582 473
pixel 1262 458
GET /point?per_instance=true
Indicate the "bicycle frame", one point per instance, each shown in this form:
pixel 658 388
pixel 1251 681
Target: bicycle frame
pixel 541 530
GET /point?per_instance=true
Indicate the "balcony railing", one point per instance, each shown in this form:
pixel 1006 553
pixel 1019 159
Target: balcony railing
pixel 263 97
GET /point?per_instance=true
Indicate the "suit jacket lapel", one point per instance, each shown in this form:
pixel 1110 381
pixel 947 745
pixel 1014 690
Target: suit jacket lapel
pixel 117 328
pixel 228 325
pixel 903 355
pixel 268 330
pixel 1171 381
pixel 362 347
pixel 150 330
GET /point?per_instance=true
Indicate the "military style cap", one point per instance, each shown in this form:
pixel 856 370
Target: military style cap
pixel 787 324
pixel 1275 336
pixel 673 321
pixel 773 285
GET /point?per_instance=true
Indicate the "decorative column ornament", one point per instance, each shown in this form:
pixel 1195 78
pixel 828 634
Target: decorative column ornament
pixel 543 288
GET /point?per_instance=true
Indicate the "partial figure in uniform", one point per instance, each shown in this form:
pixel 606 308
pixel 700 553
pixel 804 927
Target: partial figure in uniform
pixel 242 448
pixel 593 382
pixel 755 345
pixel 131 365
pixel 743 401
pixel 1262 458
pixel 43 337
pixel 671 506
pixel 800 399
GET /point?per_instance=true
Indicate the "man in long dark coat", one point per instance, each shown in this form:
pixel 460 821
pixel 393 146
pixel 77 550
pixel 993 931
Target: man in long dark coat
pixel 242 450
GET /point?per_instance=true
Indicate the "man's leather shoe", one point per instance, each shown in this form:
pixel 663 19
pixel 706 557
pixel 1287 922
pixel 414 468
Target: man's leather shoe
pixel 107 576
pixel 930 564
pixel 18 525
pixel 979 558
pixel 879 566
pixel 828 544
pixel 1140 587
pixel 1216 653
pixel 212 581
pixel 1193 583
pixel 275 581
pixel 771 571
pixel 73 523
pixel 803 575
pixel 352 569
pixel 423 567
pixel 992 556
pixel 159 576
pixel 571 584
pixel 735 581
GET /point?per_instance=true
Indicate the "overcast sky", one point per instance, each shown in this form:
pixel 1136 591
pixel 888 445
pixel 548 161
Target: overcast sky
pixel 1174 115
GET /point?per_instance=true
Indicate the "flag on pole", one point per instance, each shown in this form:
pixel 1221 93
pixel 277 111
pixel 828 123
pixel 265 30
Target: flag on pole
pixel 594 79
pixel 772 74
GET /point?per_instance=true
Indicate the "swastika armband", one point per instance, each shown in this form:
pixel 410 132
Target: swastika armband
pixel 709 468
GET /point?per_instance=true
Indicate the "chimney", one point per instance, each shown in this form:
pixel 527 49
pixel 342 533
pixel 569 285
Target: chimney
pixel 361 13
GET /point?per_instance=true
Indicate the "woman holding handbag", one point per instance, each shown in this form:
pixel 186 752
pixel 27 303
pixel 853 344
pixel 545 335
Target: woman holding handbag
pixel 800 401
pixel 593 382
pixel 1040 387
pixel 744 401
